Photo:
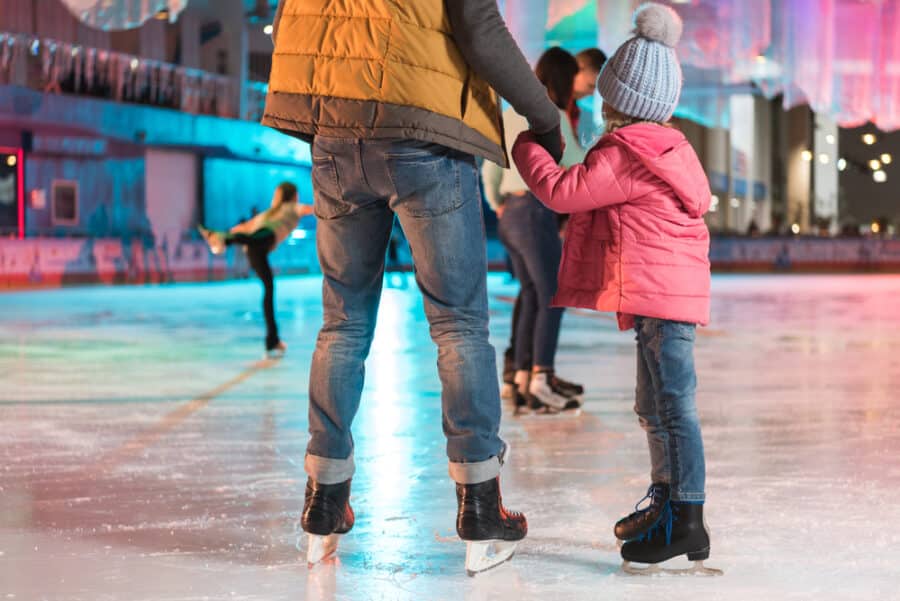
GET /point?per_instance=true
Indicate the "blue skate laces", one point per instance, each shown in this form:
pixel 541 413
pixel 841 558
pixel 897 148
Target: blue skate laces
pixel 666 521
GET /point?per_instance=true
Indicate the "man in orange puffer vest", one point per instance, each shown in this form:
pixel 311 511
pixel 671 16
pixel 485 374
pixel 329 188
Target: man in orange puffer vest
pixel 397 99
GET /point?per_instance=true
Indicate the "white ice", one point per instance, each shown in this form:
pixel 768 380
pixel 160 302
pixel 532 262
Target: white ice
pixel 146 455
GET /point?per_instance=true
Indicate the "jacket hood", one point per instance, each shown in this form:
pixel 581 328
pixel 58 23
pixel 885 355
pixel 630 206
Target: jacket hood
pixel 668 155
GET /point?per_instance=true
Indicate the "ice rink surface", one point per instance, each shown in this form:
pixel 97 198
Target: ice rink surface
pixel 146 454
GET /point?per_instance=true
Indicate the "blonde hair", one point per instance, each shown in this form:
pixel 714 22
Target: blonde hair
pixel 614 120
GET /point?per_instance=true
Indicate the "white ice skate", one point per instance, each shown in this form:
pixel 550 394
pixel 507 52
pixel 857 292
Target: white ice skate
pixel 321 548
pixel 276 353
pixel 655 568
pixel 486 554
pixel 214 239
pixel 540 388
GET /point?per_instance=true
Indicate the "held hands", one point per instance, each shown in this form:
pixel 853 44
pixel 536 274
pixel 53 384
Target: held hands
pixel 552 142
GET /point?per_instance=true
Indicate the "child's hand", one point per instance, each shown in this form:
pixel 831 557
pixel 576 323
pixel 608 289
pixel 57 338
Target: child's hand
pixel 305 210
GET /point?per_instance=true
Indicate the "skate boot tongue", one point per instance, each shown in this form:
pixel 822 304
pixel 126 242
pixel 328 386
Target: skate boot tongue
pixel 642 520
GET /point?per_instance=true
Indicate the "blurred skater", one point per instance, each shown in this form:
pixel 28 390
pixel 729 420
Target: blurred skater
pixel 259 236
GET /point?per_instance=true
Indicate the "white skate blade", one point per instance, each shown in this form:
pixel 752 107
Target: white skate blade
pixel 484 555
pixel 549 413
pixel 321 548
pixel 698 569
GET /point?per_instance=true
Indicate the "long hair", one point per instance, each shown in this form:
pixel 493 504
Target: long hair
pixel 614 120
pixel 556 69
pixel 288 192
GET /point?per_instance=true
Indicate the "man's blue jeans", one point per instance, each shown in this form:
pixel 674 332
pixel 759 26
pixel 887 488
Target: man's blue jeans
pixel 359 186
pixel 666 408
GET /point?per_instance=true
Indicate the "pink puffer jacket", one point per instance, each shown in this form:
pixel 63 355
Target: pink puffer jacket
pixel 636 243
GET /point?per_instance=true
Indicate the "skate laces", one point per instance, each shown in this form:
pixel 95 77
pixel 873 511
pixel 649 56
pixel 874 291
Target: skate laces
pixel 666 522
pixel 653 492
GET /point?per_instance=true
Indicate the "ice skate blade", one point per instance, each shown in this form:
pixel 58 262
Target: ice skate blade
pixel 548 413
pixel 485 555
pixel 321 548
pixel 697 569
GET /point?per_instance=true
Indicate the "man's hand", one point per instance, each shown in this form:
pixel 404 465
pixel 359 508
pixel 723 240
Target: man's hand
pixel 552 141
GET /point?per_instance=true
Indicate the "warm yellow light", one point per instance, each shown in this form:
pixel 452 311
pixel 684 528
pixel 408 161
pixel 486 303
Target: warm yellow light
pixel 795 228
pixel 830 138
pixel 874 165
pixel 875 227
pixel 11 160
pixel 869 139
pixel 879 176
pixel 268 29
pixel 886 159
pixel 841 164
pixel 824 158
pixel 806 155
pixel 760 58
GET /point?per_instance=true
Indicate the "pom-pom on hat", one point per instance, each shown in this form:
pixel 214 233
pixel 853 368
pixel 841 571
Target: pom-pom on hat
pixel 643 78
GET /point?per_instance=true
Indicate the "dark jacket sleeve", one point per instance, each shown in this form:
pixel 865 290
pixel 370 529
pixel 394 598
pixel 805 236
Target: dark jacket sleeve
pixel 491 51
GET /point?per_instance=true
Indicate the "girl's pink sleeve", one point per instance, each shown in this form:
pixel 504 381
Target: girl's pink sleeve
pixel 585 187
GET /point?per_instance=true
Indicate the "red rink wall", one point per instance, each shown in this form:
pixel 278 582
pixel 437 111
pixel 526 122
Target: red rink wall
pixel 52 262
pixel 48 262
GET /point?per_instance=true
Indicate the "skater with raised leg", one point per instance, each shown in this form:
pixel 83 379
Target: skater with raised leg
pixel 637 244
pixel 259 236
pixel 395 132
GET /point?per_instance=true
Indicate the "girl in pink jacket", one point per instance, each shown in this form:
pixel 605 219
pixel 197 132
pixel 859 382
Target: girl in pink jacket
pixel 637 245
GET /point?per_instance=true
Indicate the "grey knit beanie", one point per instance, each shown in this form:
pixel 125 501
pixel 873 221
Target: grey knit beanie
pixel 643 78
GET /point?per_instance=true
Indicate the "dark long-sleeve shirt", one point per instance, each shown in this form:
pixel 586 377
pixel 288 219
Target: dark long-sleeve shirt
pixel 488 47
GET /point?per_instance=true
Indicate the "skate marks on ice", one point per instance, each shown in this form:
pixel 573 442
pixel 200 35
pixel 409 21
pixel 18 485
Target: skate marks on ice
pixel 173 419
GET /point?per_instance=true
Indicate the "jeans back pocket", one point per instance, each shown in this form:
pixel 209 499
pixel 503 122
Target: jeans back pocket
pixel 426 180
pixel 328 202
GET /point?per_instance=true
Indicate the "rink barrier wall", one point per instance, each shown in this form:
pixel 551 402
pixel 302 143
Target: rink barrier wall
pixel 53 262
pixel 50 262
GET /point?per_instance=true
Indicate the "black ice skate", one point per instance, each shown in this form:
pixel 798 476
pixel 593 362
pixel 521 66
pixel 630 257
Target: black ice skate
pixel 644 519
pixel 491 532
pixel 680 531
pixel 571 390
pixel 326 516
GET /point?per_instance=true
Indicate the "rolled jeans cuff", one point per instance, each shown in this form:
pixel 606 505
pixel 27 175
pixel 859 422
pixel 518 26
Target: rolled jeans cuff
pixel 327 470
pixel 474 473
